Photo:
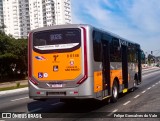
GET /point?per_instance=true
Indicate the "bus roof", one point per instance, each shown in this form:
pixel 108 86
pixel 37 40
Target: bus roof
pixel 81 25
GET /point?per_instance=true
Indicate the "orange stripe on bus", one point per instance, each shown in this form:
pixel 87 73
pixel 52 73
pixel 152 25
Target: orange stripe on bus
pixel 98 79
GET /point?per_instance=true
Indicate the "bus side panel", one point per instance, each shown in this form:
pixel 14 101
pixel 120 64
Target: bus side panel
pixel 98 84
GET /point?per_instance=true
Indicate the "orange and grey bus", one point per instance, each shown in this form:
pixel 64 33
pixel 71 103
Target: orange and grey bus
pixel 79 61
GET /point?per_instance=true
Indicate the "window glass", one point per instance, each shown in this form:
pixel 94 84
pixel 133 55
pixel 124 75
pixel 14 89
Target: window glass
pixel 97 46
pixel 132 54
pixel 115 50
pixel 54 40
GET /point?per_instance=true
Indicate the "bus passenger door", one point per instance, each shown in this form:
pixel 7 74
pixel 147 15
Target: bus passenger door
pixel 125 67
pixel 139 67
pixel 106 67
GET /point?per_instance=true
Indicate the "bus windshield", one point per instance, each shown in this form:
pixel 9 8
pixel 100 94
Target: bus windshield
pixel 56 40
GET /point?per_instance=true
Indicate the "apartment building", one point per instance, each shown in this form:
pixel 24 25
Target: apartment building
pixel 49 12
pixel 41 13
pixel 21 16
pixel 16 18
pixel 63 11
pixel 1 16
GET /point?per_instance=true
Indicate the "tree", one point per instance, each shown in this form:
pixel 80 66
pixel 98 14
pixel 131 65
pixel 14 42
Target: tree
pixel 13 57
pixel 20 50
pixel 6 56
pixel 2 27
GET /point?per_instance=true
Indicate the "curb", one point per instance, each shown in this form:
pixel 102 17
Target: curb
pixel 14 91
pixel 147 68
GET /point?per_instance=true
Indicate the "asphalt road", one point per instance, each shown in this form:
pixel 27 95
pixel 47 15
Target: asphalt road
pixel 146 98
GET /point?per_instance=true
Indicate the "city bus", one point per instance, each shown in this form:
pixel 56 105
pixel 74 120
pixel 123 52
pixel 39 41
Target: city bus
pixel 79 61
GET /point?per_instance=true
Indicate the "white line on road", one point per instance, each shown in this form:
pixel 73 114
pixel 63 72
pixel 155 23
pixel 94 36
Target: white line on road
pixel 136 96
pixel 153 85
pixel 144 91
pixel 126 102
pixel 56 103
pixel 115 110
pixel 149 88
pixel 112 112
pixel 157 83
pixel 32 111
pixel 20 99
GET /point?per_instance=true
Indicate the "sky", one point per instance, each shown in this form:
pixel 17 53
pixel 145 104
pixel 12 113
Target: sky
pixel 135 20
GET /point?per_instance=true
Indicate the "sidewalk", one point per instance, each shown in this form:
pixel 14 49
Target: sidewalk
pixel 13 83
pixel 149 67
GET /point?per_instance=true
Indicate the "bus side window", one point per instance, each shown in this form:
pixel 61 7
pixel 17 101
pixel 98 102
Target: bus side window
pixel 132 55
pixel 115 52
pixel 97 46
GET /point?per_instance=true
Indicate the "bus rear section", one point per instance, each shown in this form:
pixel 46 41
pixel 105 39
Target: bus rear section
pixel 58 64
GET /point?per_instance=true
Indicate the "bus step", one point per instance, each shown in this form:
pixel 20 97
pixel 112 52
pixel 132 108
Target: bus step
pixel 106 97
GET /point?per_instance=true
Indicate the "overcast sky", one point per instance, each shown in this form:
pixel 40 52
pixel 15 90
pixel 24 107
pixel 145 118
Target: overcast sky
pixel 135 20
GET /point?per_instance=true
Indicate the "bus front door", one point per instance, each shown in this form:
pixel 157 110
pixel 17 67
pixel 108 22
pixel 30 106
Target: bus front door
pixel 106 68
pixel 125 68
pixel 139 68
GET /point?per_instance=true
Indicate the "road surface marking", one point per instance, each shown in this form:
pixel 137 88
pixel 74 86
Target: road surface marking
pixel 115 110
pixel 153 85
pixel 20 98
pixel 32 111
pixel 149 88
pixel 144 91
pixel 126 102
pixel 136 96
pixel 112 112
pixel 157 83
pixel 56 103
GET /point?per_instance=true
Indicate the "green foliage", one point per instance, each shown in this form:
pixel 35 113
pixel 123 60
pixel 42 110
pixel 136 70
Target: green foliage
pixel 17 84
pixel 13 57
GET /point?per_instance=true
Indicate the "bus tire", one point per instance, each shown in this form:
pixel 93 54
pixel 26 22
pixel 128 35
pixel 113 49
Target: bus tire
pixel 115 92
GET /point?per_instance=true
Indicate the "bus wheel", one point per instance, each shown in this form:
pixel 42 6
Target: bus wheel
pixel 115 92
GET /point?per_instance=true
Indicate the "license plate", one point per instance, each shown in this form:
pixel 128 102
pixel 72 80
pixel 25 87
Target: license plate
pixel 56 85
